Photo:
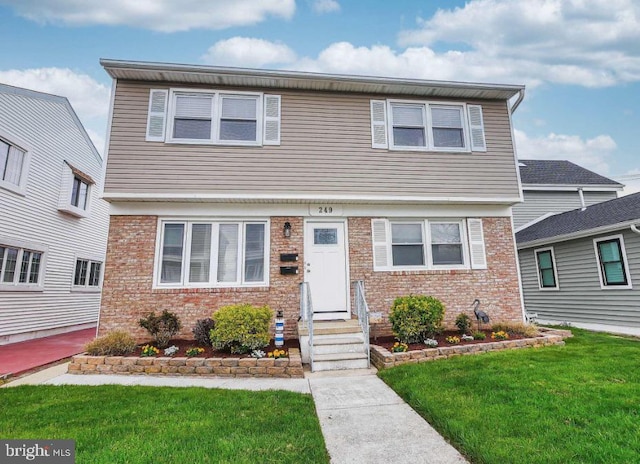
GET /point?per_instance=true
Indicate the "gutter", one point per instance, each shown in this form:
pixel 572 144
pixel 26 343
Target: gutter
pixel 514 107
pixel 579 234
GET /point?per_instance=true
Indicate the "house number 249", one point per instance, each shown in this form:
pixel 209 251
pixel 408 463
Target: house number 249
pixel 325 209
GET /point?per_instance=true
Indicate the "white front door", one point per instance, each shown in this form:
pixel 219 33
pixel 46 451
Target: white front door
pixel 325 268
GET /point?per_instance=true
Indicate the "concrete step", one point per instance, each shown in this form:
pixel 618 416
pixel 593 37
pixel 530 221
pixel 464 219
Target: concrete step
pixel 331 344
pixel 339 361
pixel 331 328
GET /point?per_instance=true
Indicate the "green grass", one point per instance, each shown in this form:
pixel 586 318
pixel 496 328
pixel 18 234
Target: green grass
pixel 123 424
pixel 578 403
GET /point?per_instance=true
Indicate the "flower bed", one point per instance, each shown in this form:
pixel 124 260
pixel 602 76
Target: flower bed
pixel 290 367
pixel 382 358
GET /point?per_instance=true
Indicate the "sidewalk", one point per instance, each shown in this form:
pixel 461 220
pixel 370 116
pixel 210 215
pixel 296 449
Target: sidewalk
pixel 362 419
pixel 20 357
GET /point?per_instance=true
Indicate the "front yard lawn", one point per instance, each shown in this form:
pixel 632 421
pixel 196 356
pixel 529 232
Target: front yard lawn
pixel 125 424
pixel 578 403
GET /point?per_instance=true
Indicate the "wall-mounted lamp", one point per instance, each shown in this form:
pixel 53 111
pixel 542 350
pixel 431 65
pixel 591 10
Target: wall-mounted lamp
pixel 287 229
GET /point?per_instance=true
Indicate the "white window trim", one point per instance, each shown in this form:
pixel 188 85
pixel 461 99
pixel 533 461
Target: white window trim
pixel 66 193
pixel 426 110
pixel 22 245
pixel 216 110
pixel 21 187
pixel 623 253
pixel 213 264
pixel 426 237
pixel 87 288
pixel 554 267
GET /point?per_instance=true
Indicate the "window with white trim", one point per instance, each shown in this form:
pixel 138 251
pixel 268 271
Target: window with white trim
pixel 20 267
pixel 212 254
pixel 75 191
pixel 546 264
pixel 612 265
pixel 87 274
pixel 79 193
pixel 428 244
pixel 427 126
pixel 13 167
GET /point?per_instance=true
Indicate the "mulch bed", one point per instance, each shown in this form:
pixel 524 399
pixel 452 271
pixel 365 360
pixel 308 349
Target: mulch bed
pixel 209 352
pixel 388 341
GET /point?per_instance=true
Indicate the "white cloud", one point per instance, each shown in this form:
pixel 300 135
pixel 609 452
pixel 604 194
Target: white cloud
pixel 585 42
pixel 157 15
pixel 89 98
pixel 325 6
pixel 245 51
pixel 593 154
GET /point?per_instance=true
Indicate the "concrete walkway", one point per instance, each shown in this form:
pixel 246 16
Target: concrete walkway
pixel 362 419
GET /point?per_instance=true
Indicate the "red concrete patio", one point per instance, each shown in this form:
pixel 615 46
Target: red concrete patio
pixel 24 356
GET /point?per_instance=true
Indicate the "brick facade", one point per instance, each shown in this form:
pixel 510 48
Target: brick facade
pixel 128 295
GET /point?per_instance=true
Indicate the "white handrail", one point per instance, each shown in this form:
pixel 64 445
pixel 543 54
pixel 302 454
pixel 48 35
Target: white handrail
pixel 306 313
pixel 362 311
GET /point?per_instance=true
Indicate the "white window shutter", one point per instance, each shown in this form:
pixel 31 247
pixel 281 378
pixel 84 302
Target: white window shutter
pixel 157 116
pixel 476 126
pixel 380 244
pixel 476 244
pixel 66 184
pixel 379 137
pixel 271 131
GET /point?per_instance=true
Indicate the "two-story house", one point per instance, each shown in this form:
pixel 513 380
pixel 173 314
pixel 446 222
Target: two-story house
pixel 236 185
pixel 53 231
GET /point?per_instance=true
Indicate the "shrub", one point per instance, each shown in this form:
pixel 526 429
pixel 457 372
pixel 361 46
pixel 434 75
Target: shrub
pixel 241 328
pixel 116 343
pixel 479 335
pixel 516 328
pixel 416 317
pixel 162 327
pixel 202 331
pixel 463 323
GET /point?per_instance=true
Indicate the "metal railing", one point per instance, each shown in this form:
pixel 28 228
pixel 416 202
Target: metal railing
pixel 306 314
pixel 362 311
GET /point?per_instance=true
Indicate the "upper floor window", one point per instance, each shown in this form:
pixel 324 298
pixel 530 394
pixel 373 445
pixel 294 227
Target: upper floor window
pixel 20 267
pixel 75 191
pixel 13 167
pixel 547 274
pixel 613 268
pixel 87 274
pixel 432 126
pixel 212 254
pixel 213 117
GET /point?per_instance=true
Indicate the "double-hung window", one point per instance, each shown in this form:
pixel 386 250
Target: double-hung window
pixel 20 268
pixel 612 266
pixel 213 254
pixel 447 127
pixel 409 125
pixel 547 275
pixel 428 244
pixel 215 117
pixel 75 191
pixel 13 167
pixel 87 274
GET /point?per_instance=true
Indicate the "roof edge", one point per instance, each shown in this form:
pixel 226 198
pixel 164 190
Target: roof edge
pixel 576 235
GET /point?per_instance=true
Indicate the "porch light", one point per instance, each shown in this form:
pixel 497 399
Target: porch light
pixel 287 229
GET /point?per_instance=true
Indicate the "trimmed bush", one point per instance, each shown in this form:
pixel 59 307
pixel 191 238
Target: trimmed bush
pixel 463 323
pixel 416 317
pixel 202 331
pixel 162 327
pixel 241 328
pixel 516 328
pixel 116 343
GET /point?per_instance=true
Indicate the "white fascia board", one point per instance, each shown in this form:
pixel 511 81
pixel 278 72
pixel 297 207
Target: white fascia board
pixel 301 197
pixel 247 209
pixel 579 234
pixel 572 188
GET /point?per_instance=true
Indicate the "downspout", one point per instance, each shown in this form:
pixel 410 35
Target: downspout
pixel 582 203
pixel 514 107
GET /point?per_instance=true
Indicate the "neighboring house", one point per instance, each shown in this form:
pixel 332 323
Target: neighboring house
pixel 54 225
pixel 220 178
pixel 583 266
pixel 555 186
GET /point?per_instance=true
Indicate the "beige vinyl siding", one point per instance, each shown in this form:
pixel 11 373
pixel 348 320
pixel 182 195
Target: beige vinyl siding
pixel 580 298
pixel 325 148
pixel 53 136
pixel 539 203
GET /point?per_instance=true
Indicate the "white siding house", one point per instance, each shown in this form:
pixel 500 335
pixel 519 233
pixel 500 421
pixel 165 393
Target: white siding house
pixel 54 225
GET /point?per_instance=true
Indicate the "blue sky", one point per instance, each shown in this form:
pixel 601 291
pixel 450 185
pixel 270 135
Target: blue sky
pixel 580 59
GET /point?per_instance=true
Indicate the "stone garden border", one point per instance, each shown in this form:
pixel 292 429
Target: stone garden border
pixel 290 367
pixel 382 358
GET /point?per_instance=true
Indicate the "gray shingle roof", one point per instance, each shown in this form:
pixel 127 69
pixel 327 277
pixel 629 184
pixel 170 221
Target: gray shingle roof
pixel 560 172
pixel 620 210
